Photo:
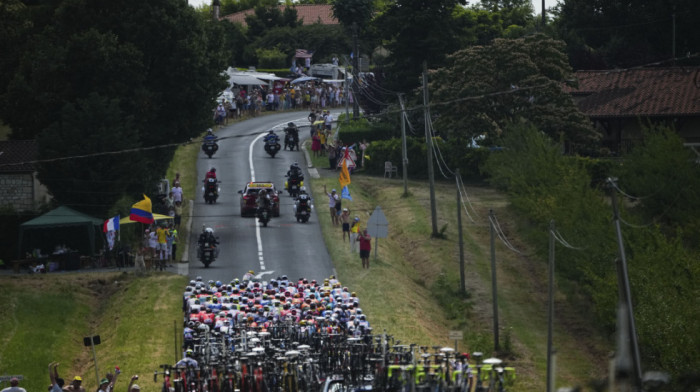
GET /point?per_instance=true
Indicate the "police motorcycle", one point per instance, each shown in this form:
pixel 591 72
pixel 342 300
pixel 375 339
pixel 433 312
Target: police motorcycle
pixel 302 206
pixel 291 137
pixel 209 145
pixel 272 143
pixel 295 180
pixel 207 250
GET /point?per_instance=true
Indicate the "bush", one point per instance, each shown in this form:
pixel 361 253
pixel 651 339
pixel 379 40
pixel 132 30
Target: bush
pixel 270 58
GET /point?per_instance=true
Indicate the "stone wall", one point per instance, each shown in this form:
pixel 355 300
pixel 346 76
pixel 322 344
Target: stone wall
pixel 17 190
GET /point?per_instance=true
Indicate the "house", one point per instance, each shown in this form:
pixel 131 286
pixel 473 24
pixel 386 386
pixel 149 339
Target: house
pixel 308 13
pixel 19 187
pixel 620 102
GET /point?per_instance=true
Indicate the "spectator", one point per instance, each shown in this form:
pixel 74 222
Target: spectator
pixel 170 243
pixel 177 191
pixel 162 234
pixel 365 247
pixel 133 387
pixel 76 385
pixel 333 201
pixel 173 232
pixel 354 230
pixel 56 382
pixel 14 382
pixel 178 214
pixel 345 220
pixel 176 181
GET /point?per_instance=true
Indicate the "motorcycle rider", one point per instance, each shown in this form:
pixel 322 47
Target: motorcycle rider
pixel 271 139
pixel 294 131
pixel 210 139
pixel 207 235
pixel 303 200
pixel 264 202
pixel 211 174
pixel 295 172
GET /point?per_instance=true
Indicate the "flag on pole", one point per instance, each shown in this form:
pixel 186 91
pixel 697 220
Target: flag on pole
pixel 141 211
pixel 344 177
pixel 345 193
pixel 111 224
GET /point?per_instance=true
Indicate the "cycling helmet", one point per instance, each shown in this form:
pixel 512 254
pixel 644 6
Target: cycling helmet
pixel 291 125
pixel 209 131
pixel 211 282
pixel 302 189
pixel 199 278
pixel 271 131
pixel 218 283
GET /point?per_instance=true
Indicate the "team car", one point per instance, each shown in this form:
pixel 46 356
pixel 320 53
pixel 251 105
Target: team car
pixel 249 197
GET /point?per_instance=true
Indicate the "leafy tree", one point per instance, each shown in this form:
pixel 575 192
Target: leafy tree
pixel 484 88
pixel 349 12
pixel 416 31
pixel 267 17
pixel 663 173
pixel 605 34
pixel 159 61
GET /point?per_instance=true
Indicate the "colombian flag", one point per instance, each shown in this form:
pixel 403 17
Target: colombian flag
pixel 141 211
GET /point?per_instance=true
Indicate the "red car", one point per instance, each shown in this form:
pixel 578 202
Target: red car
pixel 249 197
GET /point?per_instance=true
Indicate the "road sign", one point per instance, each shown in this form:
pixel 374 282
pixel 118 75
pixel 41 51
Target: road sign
pixel 90 340
pixel 377 225
pixel 455 335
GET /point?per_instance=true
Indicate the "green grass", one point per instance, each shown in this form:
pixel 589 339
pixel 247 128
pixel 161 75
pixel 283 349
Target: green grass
pixel 45 317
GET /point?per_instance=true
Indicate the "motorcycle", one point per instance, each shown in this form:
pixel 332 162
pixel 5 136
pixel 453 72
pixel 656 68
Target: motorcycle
pixel 272 146
pixel 302 210
pixel 293 185
pixel 264 215
pixel 291 140
pixel 210 148
pixel 208 251
pixel 211 190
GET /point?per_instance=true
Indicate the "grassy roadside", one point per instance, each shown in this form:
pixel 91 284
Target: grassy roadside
pixel 412 288
pixel 45 317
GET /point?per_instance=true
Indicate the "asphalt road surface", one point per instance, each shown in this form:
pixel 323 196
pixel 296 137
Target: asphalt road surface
pixel 284 247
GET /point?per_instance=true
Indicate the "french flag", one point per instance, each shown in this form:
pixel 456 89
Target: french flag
pixel 111 224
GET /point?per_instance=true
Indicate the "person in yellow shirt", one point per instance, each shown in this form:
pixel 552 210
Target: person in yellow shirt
pixel 322 135
pixel 162 234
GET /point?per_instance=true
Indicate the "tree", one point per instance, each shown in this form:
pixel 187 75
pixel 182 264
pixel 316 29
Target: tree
pixel 159 62
pixel 416 31
pixel 349 12
pixel 484 88
pixel 605 34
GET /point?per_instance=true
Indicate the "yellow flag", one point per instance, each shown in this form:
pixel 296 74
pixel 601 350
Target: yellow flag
pixel 344 177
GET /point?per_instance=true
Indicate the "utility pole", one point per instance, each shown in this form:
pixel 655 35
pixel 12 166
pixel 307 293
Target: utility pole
pixel 494 291
pixel 404 153
pixel 463 284
pixel 347 96
pixel 429 140
pixel 625 292
pixel 215 7
pixel 544 18
pixel 550 314
pixel 355 69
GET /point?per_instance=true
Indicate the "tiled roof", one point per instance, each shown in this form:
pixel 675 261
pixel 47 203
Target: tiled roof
pixel 17 151
pixel 309 13
pixel 644 92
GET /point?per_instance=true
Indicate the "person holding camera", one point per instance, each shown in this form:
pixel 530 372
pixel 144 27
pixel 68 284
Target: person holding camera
pixel 133 387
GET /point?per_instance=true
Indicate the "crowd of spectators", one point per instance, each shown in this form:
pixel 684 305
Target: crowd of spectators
pixel 251 101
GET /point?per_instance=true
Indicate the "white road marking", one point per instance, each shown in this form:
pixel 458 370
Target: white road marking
pixel 261 258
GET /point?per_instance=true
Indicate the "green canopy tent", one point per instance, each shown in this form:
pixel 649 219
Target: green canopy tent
pixel 62 226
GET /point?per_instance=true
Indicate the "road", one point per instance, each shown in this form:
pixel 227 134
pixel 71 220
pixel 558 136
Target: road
pixel 284 247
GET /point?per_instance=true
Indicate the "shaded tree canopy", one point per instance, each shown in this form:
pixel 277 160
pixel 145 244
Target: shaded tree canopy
pixel 416 31
pixel 526 73
pixel 604 34
pixel 156 64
